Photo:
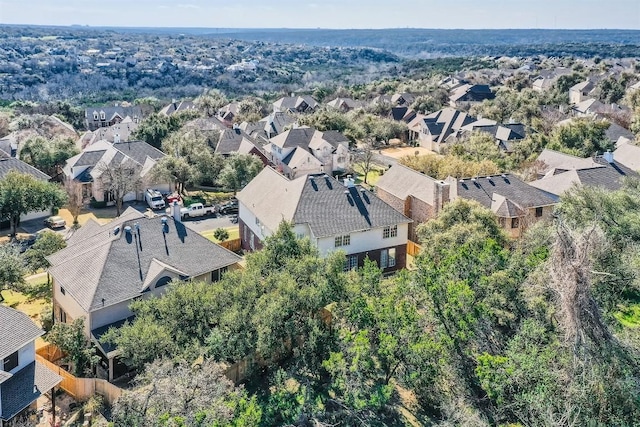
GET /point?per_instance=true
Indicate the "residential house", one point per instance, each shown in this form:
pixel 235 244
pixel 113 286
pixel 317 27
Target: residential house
pixel 452 82
pixel 344 104
pixel 235 140
pixel 89 166
pixel 333 215
pixel 228 113
pixel 569 171
pixel 178 107
pixel 404 98
pixel 120 132
pixel 304 150
pixel 106 267
pixel 402 114
pixel 421 197
pixel 504 134
pixel 432 131
pixel 547 78
pixel 270 126
pixel 295 104
pixel 100 117
pixel 22 379
pixel 469 94
pixel 628 154
pixel 582 91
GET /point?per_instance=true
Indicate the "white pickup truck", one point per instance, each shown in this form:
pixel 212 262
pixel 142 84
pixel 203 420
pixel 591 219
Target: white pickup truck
pixel 197 209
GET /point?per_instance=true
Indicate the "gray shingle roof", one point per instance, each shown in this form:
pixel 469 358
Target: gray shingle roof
pixel 483 189
pixel 24 387
pixel 298 137
pixel 89 158
pixel 16 330
pixel 320 202
pixel 11 163
pixel 100 265
pixel 139 150
pixel 331 209
pixel 402 182
pixel 230 141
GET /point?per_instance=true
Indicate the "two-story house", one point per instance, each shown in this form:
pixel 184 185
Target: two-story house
pixel 105 267
pixel 89 166
pixel 469 94
pixel 22 379
pixel 563 171
pixel 304 150
pixel 295 104
pixel 100 117
pixel 334 215
pixel 515 203
pixel 432 131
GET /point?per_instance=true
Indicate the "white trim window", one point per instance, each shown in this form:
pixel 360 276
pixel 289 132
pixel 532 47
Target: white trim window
pixel 388 258
pixel 390 231
pixel 342 240
pixel 351 263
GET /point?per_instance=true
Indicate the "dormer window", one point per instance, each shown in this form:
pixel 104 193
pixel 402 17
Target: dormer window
pixel 102 115
pixel 95 115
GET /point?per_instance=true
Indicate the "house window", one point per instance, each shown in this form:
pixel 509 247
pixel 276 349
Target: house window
pixel 342 240
pixel 95 115
pixel 538 212
pixel 102 115
pixel 63 316
pixel 515 222
pixel 216 275
pixel 62 291
pixel 244 232
pixel 10 362
pixel 257 221
pixel 388 258
pixel 251 243
pixel 341 159
pixel 391 231
pixel 351 263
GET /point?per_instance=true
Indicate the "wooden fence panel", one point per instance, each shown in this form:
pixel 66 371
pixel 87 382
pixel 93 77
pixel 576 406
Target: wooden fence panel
pixel 413 248
pixel 233 245
pixel 82 388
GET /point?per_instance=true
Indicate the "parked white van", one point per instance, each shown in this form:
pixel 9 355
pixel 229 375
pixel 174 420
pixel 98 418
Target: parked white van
pixel 154 199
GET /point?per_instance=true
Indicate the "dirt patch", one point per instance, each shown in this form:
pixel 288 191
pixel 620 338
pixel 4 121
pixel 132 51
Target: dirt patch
pixel 398 152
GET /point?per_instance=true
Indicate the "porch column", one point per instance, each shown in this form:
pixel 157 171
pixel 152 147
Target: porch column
pixel 111 369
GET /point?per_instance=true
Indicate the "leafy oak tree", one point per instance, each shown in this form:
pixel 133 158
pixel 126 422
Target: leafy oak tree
pixel 22 193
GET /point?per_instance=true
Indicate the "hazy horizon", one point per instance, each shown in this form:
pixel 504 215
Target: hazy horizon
pixel 329 14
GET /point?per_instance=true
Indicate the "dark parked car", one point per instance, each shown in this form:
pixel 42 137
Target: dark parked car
pixel 229 208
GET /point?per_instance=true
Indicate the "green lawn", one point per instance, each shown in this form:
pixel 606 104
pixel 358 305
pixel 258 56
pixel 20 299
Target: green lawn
pixel 629 316
pixel 234 233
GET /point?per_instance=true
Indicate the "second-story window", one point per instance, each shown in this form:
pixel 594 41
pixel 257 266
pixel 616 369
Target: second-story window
pixel 10 362
pixel 102 115
pixel 391 231
pixel 342 240
pixel 515 222
pixel 538 212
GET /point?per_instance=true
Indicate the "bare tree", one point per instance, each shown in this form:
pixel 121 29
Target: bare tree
pixel 364 159
pixel 75 198
pixel 120 178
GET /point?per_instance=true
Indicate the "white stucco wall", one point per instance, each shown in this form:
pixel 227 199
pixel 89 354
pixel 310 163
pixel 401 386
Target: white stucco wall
pixel 365 241
pixel 70 306
pixel 26 355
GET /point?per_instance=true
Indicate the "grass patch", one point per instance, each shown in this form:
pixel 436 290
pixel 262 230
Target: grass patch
pixel 234 233
pixel 629 317
pixel 372 177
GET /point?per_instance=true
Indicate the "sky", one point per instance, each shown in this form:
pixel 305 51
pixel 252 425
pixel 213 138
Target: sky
pixel 569 14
